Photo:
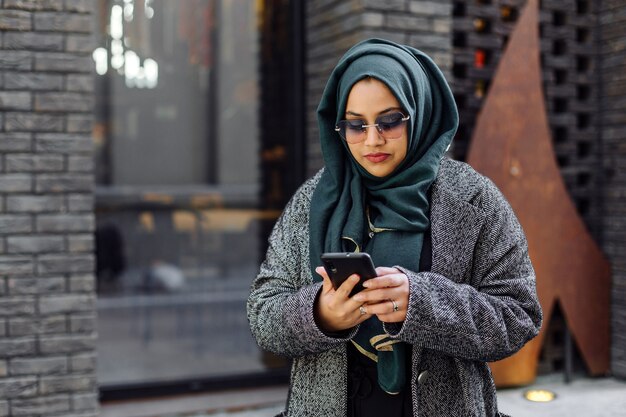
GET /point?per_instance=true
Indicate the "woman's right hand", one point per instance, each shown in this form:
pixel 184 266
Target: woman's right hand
pixel 334 309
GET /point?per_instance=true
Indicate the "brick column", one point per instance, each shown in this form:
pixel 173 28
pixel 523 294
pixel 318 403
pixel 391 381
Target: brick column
pixel 47 291
pixel 613 132
pixel 333 26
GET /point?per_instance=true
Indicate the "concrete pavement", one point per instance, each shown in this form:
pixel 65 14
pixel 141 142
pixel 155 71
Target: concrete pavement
pixel 584 397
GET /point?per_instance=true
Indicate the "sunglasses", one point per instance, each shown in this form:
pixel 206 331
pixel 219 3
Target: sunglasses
pixel 389 126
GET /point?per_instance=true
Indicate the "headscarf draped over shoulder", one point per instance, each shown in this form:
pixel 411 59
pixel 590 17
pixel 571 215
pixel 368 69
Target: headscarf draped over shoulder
pixel 398 203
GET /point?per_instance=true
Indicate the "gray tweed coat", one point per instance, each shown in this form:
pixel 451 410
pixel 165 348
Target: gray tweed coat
pixel 477 304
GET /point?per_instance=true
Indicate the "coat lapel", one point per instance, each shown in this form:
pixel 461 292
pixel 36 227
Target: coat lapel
pixel 455 226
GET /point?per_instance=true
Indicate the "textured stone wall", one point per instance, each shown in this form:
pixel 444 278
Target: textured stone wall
pixel 612 20
pixel 47 295
pixel 333 26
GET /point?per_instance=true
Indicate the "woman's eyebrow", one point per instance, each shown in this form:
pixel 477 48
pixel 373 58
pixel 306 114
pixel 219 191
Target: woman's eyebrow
pixel 389 109
pixel 351 113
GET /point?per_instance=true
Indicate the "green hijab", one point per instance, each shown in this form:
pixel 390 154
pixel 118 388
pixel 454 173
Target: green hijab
pixel 397 204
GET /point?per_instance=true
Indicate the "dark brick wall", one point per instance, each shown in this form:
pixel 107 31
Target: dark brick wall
pixel 612 20
pixel 567 29
pixel 47 293
pixel 333 26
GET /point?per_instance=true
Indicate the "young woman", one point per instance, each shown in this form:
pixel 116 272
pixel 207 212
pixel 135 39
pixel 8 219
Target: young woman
pixel 455 286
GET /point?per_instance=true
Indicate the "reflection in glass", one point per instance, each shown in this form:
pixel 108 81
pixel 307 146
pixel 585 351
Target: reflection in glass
pixel 172 288
pixel 179 230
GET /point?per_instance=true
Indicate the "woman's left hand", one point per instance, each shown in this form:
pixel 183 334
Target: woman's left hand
pixel 387 292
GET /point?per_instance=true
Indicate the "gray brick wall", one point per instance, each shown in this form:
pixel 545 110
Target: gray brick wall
pixel 613 110
pixel 47 288
pixel 333 26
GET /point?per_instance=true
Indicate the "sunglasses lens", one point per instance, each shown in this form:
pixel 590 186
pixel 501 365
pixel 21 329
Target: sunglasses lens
pixel 391 126
pixel 352 130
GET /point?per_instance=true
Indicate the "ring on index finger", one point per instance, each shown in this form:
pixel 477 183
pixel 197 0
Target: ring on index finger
pixel 362 310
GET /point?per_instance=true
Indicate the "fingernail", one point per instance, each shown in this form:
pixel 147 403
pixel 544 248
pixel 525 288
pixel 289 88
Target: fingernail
pixel 366 284
pixel 357 298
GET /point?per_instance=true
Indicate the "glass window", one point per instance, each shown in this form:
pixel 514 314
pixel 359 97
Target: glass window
pixel 181 219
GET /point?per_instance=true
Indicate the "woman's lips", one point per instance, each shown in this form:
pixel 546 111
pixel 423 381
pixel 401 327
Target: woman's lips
pixel 377 157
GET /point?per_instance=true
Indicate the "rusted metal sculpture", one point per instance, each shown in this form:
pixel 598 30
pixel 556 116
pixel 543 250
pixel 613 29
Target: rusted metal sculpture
pixel 511 145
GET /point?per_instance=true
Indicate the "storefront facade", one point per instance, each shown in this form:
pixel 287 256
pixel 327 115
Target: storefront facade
pixel 149 146
pixel 195 157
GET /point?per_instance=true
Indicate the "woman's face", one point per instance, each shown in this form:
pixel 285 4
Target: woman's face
pixel 368 100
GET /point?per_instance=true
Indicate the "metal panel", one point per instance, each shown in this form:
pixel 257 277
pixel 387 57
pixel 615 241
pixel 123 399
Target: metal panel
pixel 511 145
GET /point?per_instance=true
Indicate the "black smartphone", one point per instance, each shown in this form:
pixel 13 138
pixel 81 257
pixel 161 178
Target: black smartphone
pixel 340 265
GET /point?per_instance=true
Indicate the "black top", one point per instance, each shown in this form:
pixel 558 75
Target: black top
pixel 365 397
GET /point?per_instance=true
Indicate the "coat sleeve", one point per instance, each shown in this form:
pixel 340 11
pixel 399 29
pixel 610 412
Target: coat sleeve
pixel 281 303
pixel 494 316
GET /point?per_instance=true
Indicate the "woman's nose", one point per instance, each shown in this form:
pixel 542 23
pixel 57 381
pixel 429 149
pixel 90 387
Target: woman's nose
pixel 373 137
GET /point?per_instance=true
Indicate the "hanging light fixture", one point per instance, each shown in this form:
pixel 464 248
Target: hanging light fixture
pixel 123 59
